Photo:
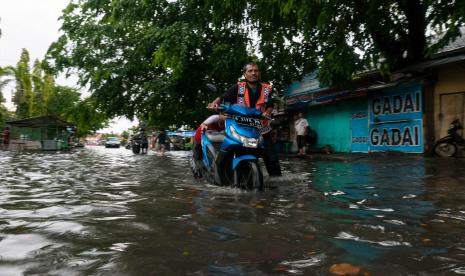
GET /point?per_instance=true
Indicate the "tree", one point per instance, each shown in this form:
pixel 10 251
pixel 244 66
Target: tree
pixel 48 86
pixel 37 95
pixel 37 86
pixel 6 76
pixel 149 59
pixel 33 90
pixel 62 99
pixel 65 103
pixel 152 59
pixel 23 97
pixel 86 117
pixel 4 80
pixel 348 36
pixel 5 114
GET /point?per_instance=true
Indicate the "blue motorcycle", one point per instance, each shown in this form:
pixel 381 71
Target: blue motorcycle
pixel 230 157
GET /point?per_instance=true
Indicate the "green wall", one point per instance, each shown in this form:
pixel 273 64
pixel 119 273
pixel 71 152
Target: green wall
pixel 332 123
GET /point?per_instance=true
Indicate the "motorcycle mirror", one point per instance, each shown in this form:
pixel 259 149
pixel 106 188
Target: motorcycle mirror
pixel 211 87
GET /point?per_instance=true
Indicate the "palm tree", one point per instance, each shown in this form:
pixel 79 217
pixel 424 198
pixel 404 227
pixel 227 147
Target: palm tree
pixel 5 77
pixel 5 74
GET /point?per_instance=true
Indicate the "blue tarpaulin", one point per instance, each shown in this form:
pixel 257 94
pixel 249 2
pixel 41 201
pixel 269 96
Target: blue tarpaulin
pixel 181 133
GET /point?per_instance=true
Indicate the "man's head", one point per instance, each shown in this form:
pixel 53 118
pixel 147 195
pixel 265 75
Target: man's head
pixel 251 72
pixel 300 115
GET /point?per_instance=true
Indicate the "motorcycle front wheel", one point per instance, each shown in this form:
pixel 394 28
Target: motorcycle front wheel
pixel 445 149
pixel 248 176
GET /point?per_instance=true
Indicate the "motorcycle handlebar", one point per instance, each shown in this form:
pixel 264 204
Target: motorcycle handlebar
pixel 215 109
pixel 222 107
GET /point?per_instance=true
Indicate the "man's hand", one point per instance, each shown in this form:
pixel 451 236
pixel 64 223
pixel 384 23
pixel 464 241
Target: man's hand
pixel 215 103
pixel 267 112
pixel 203 127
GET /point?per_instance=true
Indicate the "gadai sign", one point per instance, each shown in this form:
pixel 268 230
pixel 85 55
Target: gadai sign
pixel 395 119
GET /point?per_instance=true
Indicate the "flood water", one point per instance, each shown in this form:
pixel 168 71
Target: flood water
pixel 98 211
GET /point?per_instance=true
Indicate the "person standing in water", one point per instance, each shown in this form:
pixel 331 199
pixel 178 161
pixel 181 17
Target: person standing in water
pixel 161 138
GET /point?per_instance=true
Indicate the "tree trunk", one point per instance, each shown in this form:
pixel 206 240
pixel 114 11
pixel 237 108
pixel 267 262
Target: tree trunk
pixel 415 12
pixel 390 46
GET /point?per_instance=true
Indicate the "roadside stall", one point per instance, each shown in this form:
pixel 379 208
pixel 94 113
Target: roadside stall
pixel 180 140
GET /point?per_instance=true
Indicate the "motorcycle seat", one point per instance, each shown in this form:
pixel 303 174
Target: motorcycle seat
pixel 215 136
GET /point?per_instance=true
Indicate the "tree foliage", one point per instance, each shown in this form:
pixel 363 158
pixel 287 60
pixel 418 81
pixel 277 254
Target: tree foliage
pixel 152 59
pixel 349 36
pixel 5 78
pixel 37 94
pixel 85 116
pixel 23 96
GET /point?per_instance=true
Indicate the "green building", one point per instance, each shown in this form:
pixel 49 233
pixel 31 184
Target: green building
pixel 42 133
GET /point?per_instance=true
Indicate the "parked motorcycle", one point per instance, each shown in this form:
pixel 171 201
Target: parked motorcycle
pixel 448 146
pixel 230 157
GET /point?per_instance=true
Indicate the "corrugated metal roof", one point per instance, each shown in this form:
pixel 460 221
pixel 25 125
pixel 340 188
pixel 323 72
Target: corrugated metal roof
pixel 40 121
pixel 454 45
pixel 433 63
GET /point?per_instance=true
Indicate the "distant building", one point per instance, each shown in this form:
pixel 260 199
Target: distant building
pixel 406 113
pixel 44 133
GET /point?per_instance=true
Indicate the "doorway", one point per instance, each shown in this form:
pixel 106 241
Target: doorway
pixel 452 106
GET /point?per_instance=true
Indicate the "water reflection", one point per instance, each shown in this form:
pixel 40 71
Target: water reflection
pixel 107 211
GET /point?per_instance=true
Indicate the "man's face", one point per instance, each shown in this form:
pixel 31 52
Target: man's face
pixel 252 73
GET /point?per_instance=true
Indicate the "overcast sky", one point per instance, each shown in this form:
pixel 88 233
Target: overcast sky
pixel 30 24
pixel 34 25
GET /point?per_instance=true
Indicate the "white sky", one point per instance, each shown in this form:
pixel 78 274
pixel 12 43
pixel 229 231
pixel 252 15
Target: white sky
pixel 34 25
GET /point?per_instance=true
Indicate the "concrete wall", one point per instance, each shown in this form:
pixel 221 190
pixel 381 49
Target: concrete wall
pixel 449 97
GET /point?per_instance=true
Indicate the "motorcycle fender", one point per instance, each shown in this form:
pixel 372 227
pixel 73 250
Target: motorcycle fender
pixel 204 145
pixel 207 147
pixel 237 160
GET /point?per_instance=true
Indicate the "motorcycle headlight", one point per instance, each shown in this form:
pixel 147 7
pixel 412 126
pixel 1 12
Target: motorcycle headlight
pixel 246 142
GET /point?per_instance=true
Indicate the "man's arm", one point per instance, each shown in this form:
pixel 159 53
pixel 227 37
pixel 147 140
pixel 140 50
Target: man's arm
pixel 229 96
pixel 269 105
pixel 268 111
pixel 215 102
pixel 210 120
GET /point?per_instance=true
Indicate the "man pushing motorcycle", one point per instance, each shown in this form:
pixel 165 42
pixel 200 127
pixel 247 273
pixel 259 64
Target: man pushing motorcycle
pixel 253 93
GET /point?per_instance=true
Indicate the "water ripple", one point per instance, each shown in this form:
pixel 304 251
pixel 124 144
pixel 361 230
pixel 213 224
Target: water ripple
pixel 100 211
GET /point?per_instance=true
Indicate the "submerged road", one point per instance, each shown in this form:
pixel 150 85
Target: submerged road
pixel 97 211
